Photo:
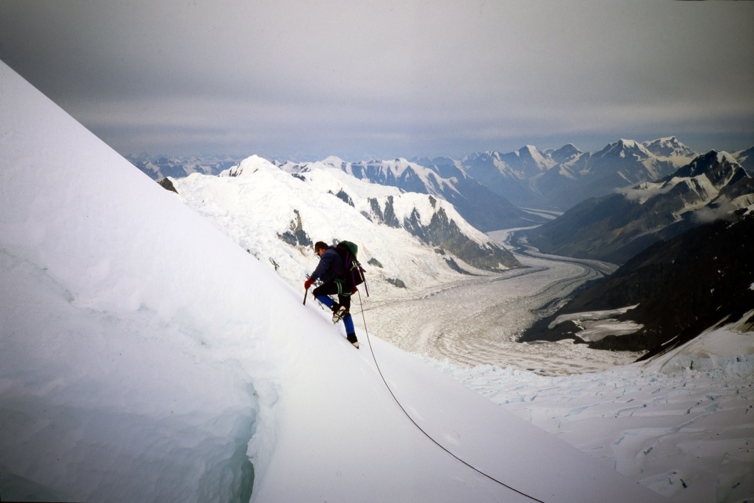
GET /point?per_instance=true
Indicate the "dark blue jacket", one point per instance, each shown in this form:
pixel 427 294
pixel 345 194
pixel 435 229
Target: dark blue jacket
pixel 330 266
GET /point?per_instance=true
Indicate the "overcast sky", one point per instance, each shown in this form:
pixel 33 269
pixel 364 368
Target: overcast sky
pixel 383 79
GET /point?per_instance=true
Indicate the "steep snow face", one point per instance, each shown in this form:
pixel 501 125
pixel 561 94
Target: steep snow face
pixel 130 362
pixel 277 217
pixel 725 157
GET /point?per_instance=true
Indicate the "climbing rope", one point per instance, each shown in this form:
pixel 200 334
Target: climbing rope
pixel 420 428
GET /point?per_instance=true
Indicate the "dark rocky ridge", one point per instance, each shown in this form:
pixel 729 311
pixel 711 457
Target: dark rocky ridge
pixel 167 184
pixel 443 233
pixel 683 286
pixel 296 235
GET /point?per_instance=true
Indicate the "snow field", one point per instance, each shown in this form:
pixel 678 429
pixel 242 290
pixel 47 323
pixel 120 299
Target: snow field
pixel 119 328
pixel 682 429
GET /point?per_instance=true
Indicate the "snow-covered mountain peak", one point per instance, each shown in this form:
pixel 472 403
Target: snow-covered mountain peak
pixel 567 149
pixel 669 148
pixel 249 166
pixel 334 161
pixel 625 149
pixel 632 145
pixel 708 164
pixel 530 154
pixel 712 184
pixel 491 154
pixel 725 157
pixel 565 155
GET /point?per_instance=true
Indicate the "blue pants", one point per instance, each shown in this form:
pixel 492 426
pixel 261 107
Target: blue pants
pixel 321 294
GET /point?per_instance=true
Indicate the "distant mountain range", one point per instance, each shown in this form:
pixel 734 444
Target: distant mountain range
pixel 489 188
pixel 559 179
pixel 482 208
pixel 616 227
pixel 161 166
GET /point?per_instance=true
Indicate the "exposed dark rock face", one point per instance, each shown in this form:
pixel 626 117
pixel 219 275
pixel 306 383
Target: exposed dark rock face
pixel 444 234
pixel 343 196
pixel 396 282
pixel 478 205
pixel 376 209
pixel 296 236
pixel 454 265
pixel 682 287
pixel 389 214
pixel 167 184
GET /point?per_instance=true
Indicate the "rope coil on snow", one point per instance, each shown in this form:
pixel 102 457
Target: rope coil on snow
pixel 420 428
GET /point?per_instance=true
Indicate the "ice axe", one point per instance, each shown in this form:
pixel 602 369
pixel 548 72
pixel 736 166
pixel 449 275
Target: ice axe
pixel 309 282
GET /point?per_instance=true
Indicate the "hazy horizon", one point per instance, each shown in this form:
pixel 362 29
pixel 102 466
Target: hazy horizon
pixel 386 79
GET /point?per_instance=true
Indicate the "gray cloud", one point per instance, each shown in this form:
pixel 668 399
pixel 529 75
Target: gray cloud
pixel 388 77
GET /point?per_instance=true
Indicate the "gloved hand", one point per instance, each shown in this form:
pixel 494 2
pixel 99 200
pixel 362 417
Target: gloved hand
pixel 309 282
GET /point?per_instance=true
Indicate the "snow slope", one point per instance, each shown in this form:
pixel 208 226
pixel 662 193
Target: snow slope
pixel 145 358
